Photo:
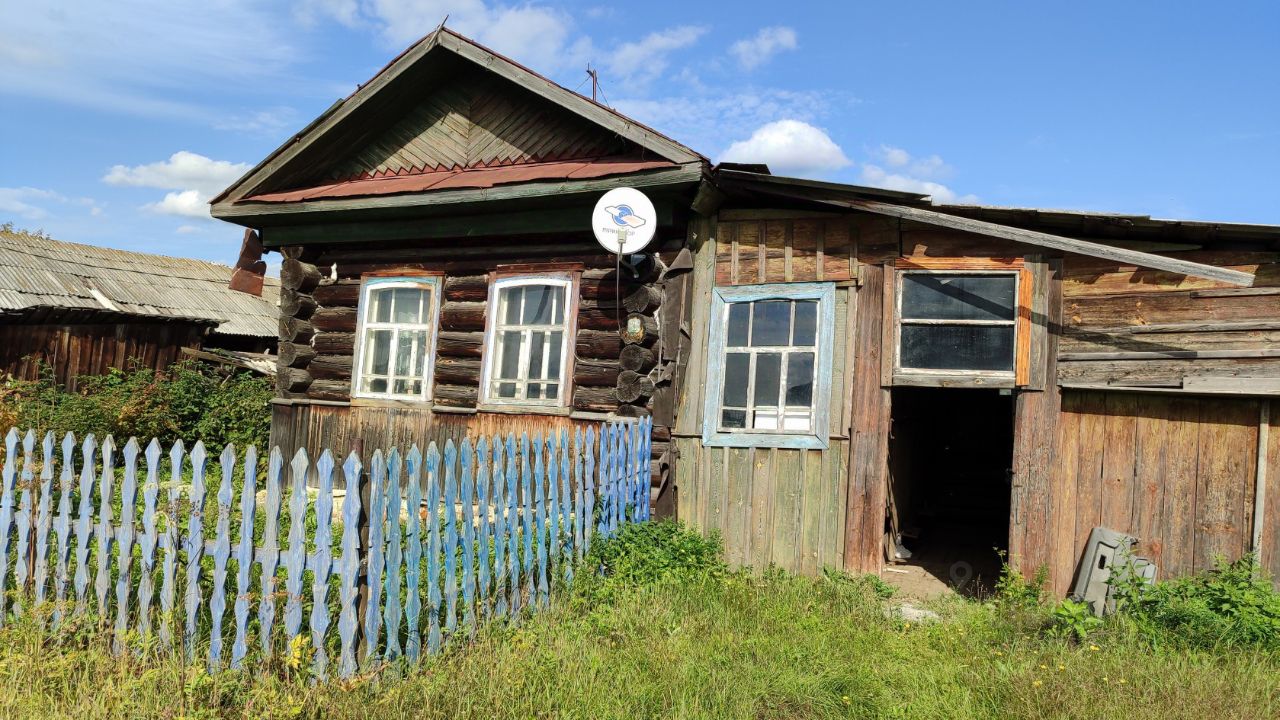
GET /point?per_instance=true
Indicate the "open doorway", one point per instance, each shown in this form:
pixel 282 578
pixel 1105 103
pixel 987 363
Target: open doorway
pixel 950 455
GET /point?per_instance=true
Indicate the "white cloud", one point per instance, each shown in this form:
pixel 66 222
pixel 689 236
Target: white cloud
pixel 789 147
pixel 645 59
pixel 272 121
pixel 755 51
pixel 908 174
pixel 31 203
pixel 310 12
pixel 192 178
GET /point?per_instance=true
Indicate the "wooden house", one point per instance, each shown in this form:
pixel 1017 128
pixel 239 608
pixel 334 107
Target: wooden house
pixel 833 371
pixel 83 310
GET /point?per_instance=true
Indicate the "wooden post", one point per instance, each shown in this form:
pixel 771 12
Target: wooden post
pixel 357 447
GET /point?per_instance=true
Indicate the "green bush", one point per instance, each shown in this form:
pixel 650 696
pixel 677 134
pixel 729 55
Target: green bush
pixel 1231 605
pixel 647 554
pixel 189 401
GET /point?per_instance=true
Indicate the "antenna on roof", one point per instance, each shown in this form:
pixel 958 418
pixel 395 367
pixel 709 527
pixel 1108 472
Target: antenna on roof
pixel 442 22
pixel 595 80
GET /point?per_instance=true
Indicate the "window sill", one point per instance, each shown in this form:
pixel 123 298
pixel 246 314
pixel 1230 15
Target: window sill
pixel 953 380
pixel 790 441
pixel 512 409
pixel 423 404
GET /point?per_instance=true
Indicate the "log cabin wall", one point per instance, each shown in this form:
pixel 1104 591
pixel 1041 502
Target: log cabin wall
pixel 613 373
pixel 72 350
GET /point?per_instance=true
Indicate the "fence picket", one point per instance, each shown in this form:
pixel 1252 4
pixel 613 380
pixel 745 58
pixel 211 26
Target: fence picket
pixel 577 496
pixel 553 506
pixel 589 493
pixel 620 478
pixel 482 532
pixel 244 554
pixel 450 536
pixel 23 520
pixel 149 539
pixel 513 524
pixel 526 502
pixel 466 493
pixel 433 549
pixel 169 571
pixel 392 609
pixel 270 553
pixel 413 554
pixel 566 509
pixel 221 553
pixel 63 528
pixel 350 567
pixel 540 519
pixel 105 531
pixel 322 564
pixel 373 578
pixel 84 523
pixel 295 557
pixel 195 547
pixel 499 531
pixel 44 519
pixel 602 527
pixel 124 542
pixel 6 513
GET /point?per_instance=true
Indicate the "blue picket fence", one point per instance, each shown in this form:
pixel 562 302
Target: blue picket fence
pixel 476 532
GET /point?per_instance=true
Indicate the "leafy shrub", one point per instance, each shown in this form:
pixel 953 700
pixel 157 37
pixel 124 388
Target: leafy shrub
pixel 1231 605
pixel 1015 591
pixel 190 400
pixel 1074 619
pixel 647 554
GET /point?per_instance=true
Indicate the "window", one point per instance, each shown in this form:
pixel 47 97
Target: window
pixel 770 366
pixel 396 338
pixel 529 335
pixel 962 323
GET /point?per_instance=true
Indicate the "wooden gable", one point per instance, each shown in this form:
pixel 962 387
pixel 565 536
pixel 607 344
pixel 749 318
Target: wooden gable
pixel 478 121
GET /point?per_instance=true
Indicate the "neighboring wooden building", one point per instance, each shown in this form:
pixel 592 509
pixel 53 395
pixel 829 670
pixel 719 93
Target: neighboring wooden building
pixel 831 369
pixel 83 310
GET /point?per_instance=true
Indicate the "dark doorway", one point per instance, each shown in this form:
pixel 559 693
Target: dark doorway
pixel 950 454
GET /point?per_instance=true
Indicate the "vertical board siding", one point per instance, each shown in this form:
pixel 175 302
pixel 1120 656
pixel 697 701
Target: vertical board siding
pixel 503 524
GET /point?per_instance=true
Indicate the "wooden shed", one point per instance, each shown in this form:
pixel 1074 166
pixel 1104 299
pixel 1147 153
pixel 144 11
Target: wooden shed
pixel 836 374
pixel 83 310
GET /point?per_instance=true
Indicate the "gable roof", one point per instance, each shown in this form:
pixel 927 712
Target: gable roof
pixel 40 273
pixel 479 110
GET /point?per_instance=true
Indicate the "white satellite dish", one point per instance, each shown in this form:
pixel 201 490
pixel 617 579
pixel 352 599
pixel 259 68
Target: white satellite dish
pixel 624 221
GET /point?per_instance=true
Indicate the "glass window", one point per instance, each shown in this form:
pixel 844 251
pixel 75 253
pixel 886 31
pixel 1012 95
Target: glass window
pixel 769 366
pixel 957 322
pixel 397 317
pixel 529 340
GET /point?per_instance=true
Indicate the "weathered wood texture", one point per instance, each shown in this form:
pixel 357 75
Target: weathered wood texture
pixel 74 350
pixel 786 250
pixel 869 433
pixel 1176 472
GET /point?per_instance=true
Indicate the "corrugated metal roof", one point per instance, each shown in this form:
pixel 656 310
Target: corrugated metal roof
pixel 39 272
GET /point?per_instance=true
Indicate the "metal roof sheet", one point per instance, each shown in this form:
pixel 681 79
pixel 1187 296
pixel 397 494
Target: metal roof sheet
pixel 40 272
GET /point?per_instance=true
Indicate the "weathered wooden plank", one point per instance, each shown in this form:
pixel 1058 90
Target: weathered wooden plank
pixel 466 491
pixel 124 543
pixel 413 553
pixel 433 549
pixel 450 537
pixel 349 565
pixel 500 530
pixel 322 564
pixel 540 520
pixel 483 539
pixel 269 553
pixel 578 500
pixel 1118 487
pixel 295 557
pixel 83 522
pixel 1181 463
pixel 378 519
pixel 1269 545
pixel 786 526
pixel 552 506
pixel 195 547
pixel 1092 458
pixel 1063 495
pixel 526 500
pixel 63 527
pixel 513 524
pixel 392 611
pixel 105 531
pixel 221 553
pixel 1151 437
pixel 587 506
pixel 244 554
pixel 168 579
pixel 737 519
pixel 22 521
pixel 764 487
pixel 44 520
pixel 865 505
pixel 1228 440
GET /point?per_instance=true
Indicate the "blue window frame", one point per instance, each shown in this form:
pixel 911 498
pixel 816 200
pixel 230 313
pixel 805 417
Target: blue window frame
pixel 769 366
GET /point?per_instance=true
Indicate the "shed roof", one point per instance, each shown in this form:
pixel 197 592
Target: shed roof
pixel 38 272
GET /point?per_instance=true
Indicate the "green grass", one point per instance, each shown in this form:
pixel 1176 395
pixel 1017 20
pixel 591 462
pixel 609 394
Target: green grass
pixel 678 636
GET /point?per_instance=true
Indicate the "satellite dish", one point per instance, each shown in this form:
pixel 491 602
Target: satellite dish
pixel 624 221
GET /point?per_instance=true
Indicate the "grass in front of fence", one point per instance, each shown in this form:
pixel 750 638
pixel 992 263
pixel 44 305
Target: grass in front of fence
pixel 671 633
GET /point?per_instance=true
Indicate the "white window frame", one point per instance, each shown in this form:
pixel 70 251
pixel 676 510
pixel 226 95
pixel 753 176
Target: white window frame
pixel 817 436
pixel 367 286
pixel 495 324
pixel 1014 322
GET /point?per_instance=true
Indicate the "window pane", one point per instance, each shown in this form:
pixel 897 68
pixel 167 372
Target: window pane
pixel 555 346
pixel 533 391
pixel 537 304
pixel 736 366
pixel 795 420
pixel 380 305
pixel 420 341
pixel 378 351
pixel 506 390
pixel 511 305
pixel 800 379
pixel 537 354
pixel 408 305
pixel 957 347
pixel 768 378
pixel 739 319
pixel 765 419
pixel 378 385
pixel 509 366
pixel 734 419
pixel 770 323
pixel 805 330
pixel 553 391
pixel 557 294
pixel 404 353
pixel 957 297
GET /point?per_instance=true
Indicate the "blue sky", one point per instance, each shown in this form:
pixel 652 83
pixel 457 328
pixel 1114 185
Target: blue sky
pixel 118 120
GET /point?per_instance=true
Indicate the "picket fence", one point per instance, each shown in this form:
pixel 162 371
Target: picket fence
pixel 493 524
